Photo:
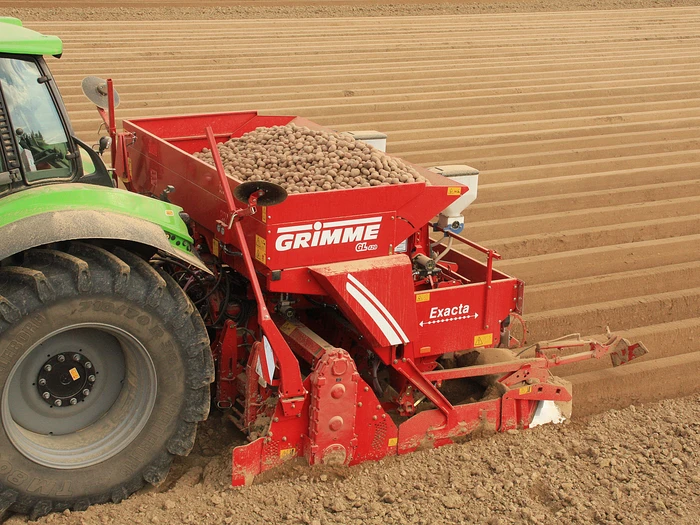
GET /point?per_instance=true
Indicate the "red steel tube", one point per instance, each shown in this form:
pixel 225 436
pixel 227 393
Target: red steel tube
pixel 472 244
pixel 220 170
pixel 112 120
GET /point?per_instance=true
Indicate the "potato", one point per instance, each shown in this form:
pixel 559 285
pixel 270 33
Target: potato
pixel 303 160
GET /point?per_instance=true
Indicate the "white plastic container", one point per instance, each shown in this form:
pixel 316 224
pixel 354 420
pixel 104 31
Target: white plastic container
pixel 371 138
pixel 451 217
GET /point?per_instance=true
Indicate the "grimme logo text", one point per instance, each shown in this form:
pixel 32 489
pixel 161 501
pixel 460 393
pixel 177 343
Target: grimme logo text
pixel 328 233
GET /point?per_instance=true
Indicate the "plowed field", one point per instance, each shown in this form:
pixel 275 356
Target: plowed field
pixel 585 126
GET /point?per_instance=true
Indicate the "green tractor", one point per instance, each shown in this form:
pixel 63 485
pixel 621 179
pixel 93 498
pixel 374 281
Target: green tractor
pixel 105 363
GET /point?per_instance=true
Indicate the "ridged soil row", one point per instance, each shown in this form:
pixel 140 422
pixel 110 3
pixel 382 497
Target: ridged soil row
pixel 584 126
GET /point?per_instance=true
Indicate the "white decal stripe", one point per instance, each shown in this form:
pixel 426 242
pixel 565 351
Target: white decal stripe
pixel 290 229
pixel 269 359
pixel 353 222
pixel 378 318
pixel 379 305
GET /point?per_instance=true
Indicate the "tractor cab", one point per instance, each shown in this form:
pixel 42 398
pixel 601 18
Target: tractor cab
pixel 38 146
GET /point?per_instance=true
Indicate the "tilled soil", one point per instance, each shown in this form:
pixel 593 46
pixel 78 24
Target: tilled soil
pixel 262 9
pixel 583 124
pixel 637 465
pixel 585 128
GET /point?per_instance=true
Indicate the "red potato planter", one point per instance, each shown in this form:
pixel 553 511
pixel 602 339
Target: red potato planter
pixel 368 339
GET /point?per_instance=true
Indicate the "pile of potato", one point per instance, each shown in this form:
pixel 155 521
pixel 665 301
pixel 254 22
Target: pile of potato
pixel 304 160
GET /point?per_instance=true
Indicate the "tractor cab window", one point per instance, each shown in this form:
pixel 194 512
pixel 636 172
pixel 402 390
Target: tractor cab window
pixel 39 132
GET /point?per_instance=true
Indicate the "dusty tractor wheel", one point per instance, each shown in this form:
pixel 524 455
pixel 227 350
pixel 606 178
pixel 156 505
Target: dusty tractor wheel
pixel 104 373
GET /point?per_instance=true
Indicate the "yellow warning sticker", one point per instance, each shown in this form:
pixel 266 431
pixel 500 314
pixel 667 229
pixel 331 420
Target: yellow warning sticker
pixel 263 211
pixel 288 328
pixel 74 374
pixel 170 213
pixel 260 249
pixel 483 340
pixel 524 390
pixel 422 297
pixel 288 453
pixel 393 442
pixel 215 247
pixel 454 190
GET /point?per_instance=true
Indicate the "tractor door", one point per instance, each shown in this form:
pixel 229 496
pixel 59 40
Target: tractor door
pixel 39 133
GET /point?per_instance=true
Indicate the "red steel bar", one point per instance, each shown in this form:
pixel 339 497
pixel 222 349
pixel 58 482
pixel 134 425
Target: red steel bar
pixel 220 170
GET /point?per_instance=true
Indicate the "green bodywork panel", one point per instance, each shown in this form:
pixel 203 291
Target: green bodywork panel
pixel 17 39
pixel 76 196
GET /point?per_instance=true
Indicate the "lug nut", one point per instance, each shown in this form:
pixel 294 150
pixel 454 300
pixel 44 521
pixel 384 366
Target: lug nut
pixel 91 379
pixel 47 368
pixel 46 395
pixel 58 402
pixel 61 358
pixel 86 392
pixel 73 401
pixel 42 382
pixel 76 357
pixel 88 365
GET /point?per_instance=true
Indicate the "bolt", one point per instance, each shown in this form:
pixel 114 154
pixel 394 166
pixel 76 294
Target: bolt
pixel 360 404
pixel 276 419
pixel 61 358
pixel 42 382
pixel 47 368
pixel 284 438
pixel 76 357
pixel 91 379
pixel 86 392
pixel 374 417
pixel 88 365
pixel 46 395
pixel 58 403
pixel 73 401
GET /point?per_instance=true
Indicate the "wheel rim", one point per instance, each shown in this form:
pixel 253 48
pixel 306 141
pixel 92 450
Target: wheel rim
pixel 79 396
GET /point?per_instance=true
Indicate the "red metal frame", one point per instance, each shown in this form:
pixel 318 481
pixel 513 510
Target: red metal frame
pixel 306 386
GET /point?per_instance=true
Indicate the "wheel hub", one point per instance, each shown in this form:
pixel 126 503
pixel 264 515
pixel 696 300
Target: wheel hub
pixel 66 379
pixel 108 362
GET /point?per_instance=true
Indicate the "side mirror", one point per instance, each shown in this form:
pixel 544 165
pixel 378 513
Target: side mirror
pixel 105 142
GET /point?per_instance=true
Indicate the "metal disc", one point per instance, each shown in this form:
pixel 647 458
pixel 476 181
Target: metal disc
pixel 95 88
pixel 273 193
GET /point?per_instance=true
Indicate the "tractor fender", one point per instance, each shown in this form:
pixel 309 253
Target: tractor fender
pixel 64 212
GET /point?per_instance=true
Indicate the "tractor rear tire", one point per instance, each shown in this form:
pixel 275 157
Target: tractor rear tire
pixel 105 369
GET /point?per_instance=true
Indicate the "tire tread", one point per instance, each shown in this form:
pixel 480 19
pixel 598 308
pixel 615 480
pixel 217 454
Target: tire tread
pixel 79 269
pixel 128 275
pixel 35 278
